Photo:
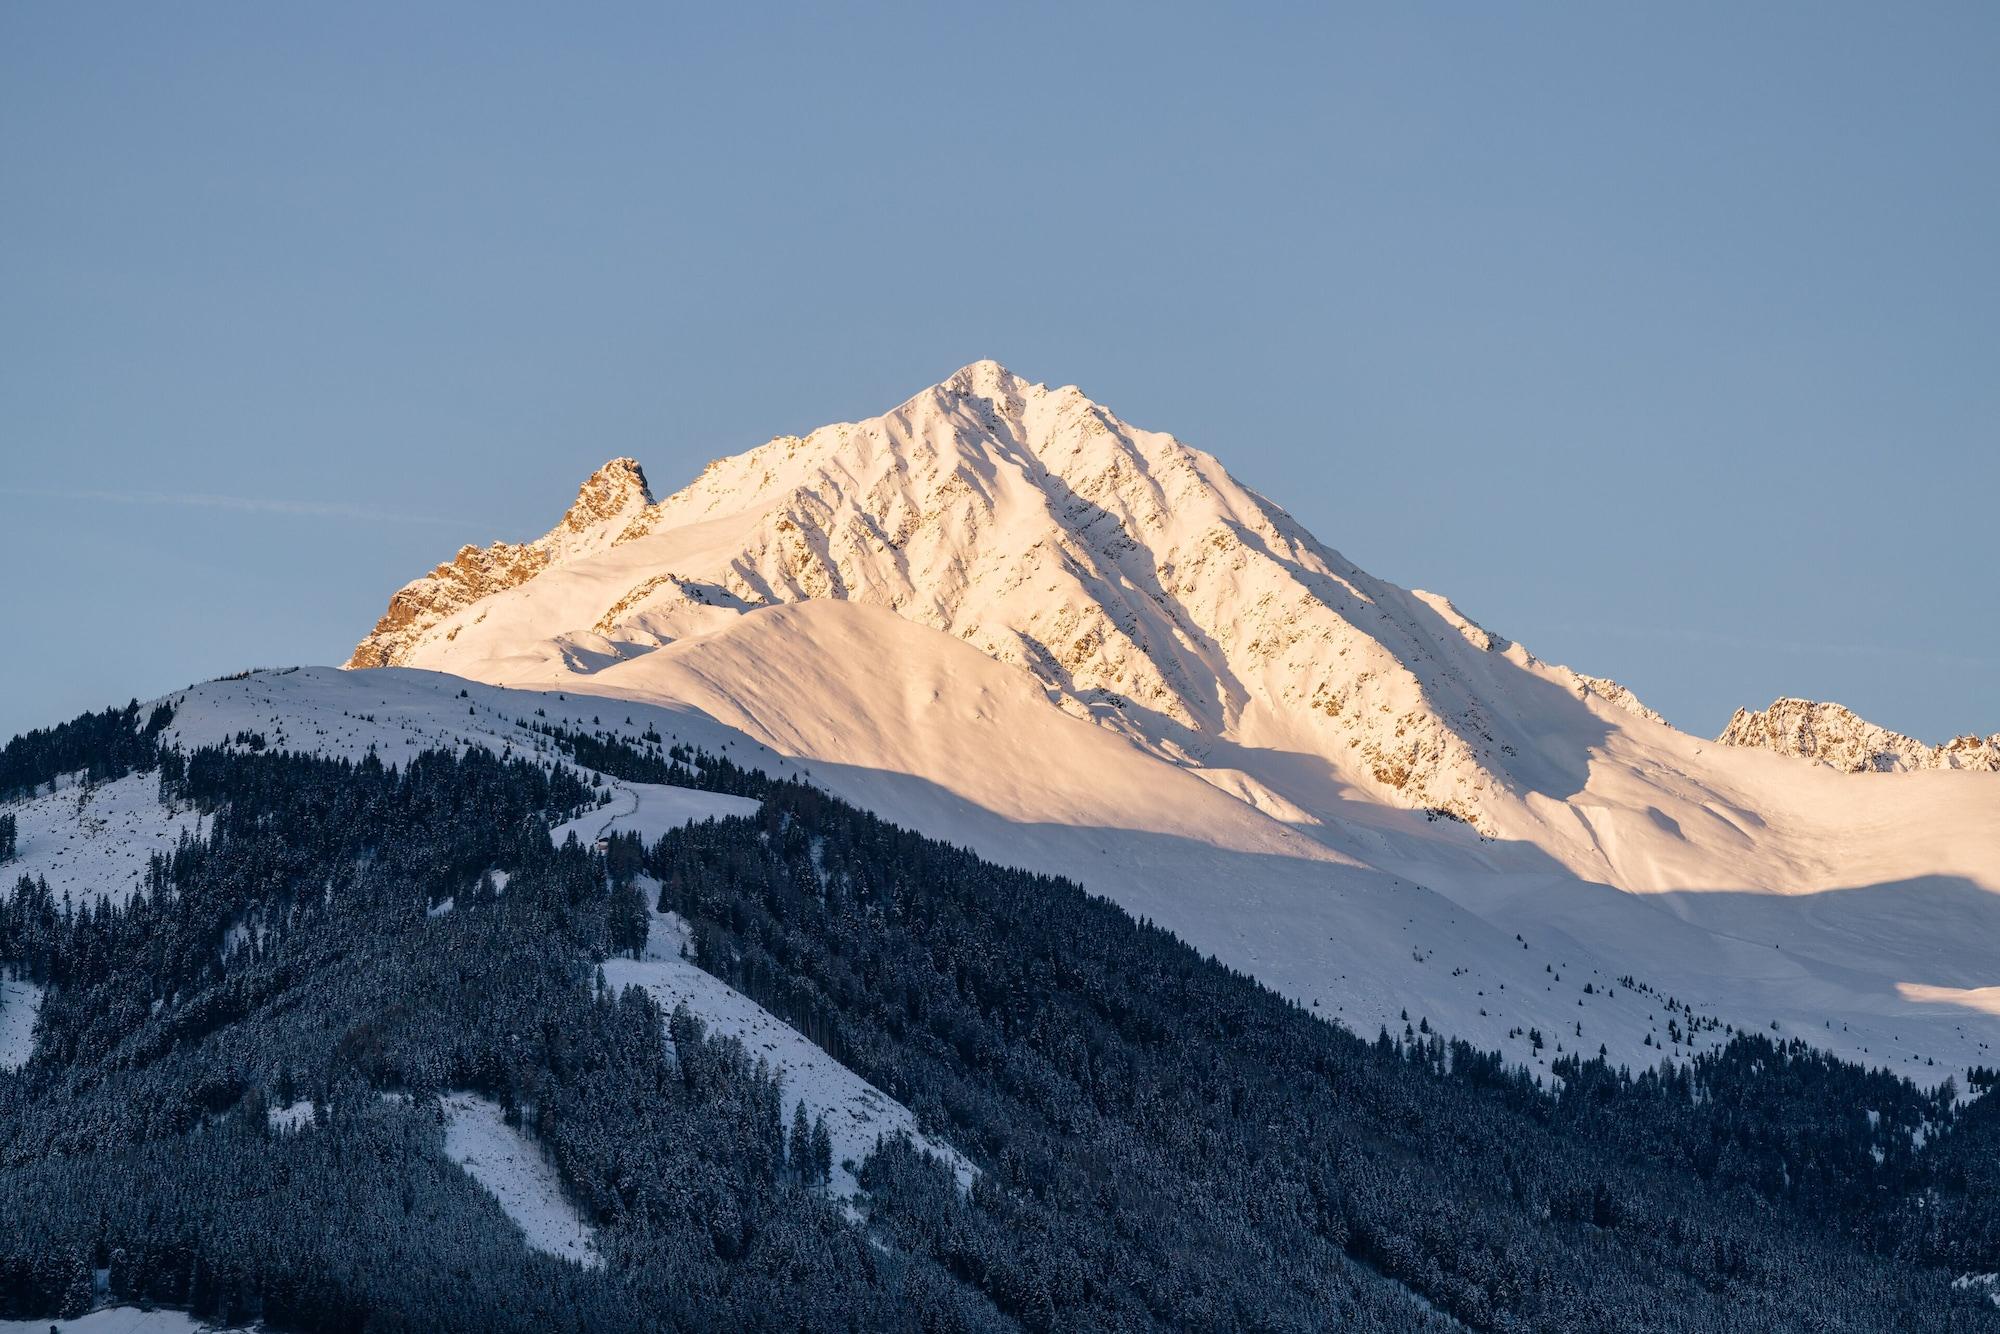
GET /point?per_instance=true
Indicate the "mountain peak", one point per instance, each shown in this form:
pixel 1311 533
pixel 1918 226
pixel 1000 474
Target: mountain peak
pixel 617 492
pixel 1141 585
pixel 985 376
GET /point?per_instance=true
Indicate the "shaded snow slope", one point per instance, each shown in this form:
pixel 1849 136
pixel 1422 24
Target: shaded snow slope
pixel 514 1170
pixel 1349 940
pixel 96 839
pixel 20 1003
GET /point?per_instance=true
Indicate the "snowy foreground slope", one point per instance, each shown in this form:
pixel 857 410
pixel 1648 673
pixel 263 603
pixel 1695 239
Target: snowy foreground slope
pixel 84 841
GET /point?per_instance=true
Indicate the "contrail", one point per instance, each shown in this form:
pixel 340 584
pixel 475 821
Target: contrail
pixel 239 504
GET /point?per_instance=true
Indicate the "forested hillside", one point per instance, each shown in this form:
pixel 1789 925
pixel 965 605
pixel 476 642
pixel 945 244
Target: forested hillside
pixel 1161 1142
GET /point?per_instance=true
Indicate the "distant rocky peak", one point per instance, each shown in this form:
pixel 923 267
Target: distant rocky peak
pixel 610 507
pixel 1835 735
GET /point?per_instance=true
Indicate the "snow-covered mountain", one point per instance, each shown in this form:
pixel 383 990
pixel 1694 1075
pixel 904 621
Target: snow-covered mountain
pixel 1001 614
pixel 1833 734
pixel 1127 572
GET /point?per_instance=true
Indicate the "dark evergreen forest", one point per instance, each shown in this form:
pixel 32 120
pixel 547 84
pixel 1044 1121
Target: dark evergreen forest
pixel 1163 1143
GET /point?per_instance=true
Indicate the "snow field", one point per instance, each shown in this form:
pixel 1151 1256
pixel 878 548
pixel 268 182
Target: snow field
pixel 118 1320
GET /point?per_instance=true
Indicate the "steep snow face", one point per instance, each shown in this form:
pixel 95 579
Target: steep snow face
pixel 1835 735
pixel 1139 583
pixel 609 499
pixel 20 1004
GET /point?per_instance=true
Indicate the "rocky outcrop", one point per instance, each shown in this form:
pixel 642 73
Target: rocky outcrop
pixel 1837 736
pixel 607 505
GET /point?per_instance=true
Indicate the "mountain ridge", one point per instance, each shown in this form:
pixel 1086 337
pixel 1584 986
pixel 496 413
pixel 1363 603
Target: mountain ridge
pixel 1835 735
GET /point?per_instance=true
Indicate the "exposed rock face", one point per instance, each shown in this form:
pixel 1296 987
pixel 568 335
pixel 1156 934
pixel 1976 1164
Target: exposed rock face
pixel 1131 574
pixel 609 500
pixel 1618 696
pixel 1835 735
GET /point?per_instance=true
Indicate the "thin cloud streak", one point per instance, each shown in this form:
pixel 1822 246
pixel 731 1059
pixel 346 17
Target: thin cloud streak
pixel 1719 639
pixel 236 504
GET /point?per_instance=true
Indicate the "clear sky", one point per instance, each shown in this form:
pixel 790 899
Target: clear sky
pixel 1665 340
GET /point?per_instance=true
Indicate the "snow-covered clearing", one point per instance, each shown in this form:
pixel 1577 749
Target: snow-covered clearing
pixel 1986 1283
pixel 650 810
pixel 857 1113
pixel 515 1171
pixel 20 1002
pixel 88 841
pixel 292 1116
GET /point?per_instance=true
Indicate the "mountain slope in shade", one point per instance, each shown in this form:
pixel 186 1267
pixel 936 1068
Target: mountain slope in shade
pixel 1835 735
pixel 1003 616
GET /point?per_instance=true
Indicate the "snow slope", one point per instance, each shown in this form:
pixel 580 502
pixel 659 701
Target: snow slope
pixel 96 840
pixel 514 1170
pixel 20 1002
pixel 1177 845
pixel 1002 615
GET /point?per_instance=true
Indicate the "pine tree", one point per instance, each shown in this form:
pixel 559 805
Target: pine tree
pixel 822 1151
pixel 798 1146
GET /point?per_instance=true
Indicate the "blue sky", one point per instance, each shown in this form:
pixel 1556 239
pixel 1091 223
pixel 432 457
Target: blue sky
pixel 1663 340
